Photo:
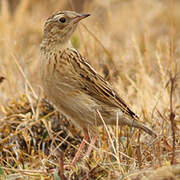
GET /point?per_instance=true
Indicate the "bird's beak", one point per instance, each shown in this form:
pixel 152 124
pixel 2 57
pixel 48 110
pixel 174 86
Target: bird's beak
pixel 79 17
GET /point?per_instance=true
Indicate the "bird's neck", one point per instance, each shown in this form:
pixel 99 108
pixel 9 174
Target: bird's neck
pixel 48 45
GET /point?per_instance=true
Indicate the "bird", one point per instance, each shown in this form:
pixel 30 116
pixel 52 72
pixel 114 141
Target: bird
pixel 74 87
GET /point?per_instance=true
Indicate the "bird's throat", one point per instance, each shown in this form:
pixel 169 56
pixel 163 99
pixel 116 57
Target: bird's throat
pixel 55 46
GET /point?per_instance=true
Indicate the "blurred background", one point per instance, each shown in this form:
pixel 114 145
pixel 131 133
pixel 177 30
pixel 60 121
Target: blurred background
pixel 133 44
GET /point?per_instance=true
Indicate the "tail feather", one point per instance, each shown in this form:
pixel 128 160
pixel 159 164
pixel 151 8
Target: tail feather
pixel 135 123
pixel 139 125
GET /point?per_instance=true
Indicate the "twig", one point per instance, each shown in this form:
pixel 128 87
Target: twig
pixel 138 151
pixel 61 167
pixel 172 79
pixel 172 115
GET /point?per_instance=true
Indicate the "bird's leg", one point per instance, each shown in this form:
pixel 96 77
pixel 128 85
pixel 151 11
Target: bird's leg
pixel 93 140
pixel 81 147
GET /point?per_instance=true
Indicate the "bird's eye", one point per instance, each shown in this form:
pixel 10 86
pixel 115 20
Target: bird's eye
pixel 62 20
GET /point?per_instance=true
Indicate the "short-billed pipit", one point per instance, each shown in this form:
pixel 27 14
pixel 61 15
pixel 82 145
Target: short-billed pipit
pixel 73 86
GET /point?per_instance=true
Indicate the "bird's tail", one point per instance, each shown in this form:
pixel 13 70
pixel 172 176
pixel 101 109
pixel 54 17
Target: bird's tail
pixel 135 123
pixel 144 128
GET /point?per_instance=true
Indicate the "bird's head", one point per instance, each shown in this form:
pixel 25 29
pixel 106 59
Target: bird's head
pixel 60 26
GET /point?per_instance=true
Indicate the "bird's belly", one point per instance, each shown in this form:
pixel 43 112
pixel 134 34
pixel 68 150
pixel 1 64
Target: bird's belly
pixel 79 107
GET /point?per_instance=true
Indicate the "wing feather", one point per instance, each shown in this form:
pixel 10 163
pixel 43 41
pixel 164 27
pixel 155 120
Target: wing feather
pixel 96 86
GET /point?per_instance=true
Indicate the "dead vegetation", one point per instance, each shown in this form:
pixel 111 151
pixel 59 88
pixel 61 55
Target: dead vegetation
pixel 135 45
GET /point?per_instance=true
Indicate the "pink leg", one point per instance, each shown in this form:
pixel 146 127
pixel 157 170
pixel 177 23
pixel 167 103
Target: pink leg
pixel 93 140
pixel 81 147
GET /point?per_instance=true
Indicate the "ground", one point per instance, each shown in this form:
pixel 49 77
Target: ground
pixel 135 46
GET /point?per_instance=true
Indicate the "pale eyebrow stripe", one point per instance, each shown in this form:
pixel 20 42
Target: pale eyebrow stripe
pixel 57 15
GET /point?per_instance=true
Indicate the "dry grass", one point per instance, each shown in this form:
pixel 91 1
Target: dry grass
pixel 135 45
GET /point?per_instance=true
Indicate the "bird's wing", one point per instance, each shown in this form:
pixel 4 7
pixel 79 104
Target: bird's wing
pixel 95 85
